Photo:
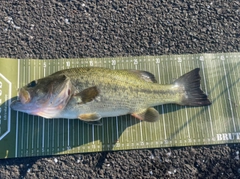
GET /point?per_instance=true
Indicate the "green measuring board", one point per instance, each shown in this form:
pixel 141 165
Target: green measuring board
pixel 26 135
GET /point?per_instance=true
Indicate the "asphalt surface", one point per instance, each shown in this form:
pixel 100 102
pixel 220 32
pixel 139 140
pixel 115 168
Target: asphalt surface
pixel 72 29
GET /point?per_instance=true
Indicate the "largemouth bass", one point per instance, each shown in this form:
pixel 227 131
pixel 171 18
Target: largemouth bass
pixel 91 93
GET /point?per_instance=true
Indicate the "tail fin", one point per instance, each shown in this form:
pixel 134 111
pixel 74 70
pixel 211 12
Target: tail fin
pixel 194 96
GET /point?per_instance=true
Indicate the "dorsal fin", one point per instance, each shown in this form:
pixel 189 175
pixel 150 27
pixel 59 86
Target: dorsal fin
pixel 145 75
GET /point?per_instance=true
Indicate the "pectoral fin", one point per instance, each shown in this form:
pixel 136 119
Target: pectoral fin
pixel 149 115
pixel 89 117
pixel 88 94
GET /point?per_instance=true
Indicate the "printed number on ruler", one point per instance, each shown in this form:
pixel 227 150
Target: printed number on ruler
pixel 179 59
pixel 91 63
pixel 68 64
pixel 114 62
pixel 135 61
pixel 201 58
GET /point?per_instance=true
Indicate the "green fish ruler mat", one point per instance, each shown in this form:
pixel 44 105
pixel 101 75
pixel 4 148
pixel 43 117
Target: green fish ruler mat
pixel 24 135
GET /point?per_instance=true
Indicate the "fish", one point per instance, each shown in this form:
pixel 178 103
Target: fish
pixel 91 93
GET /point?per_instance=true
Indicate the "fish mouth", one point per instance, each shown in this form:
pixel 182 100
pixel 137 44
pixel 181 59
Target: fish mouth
pixel 29 108
pixel 23 100
pixel 24 96
pixel 15 104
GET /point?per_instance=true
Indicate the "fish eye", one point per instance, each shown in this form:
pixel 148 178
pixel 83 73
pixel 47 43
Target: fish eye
pixel 32 84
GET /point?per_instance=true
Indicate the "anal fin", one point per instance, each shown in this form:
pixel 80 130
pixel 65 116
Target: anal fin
pixel 89 117
pixel 149 115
